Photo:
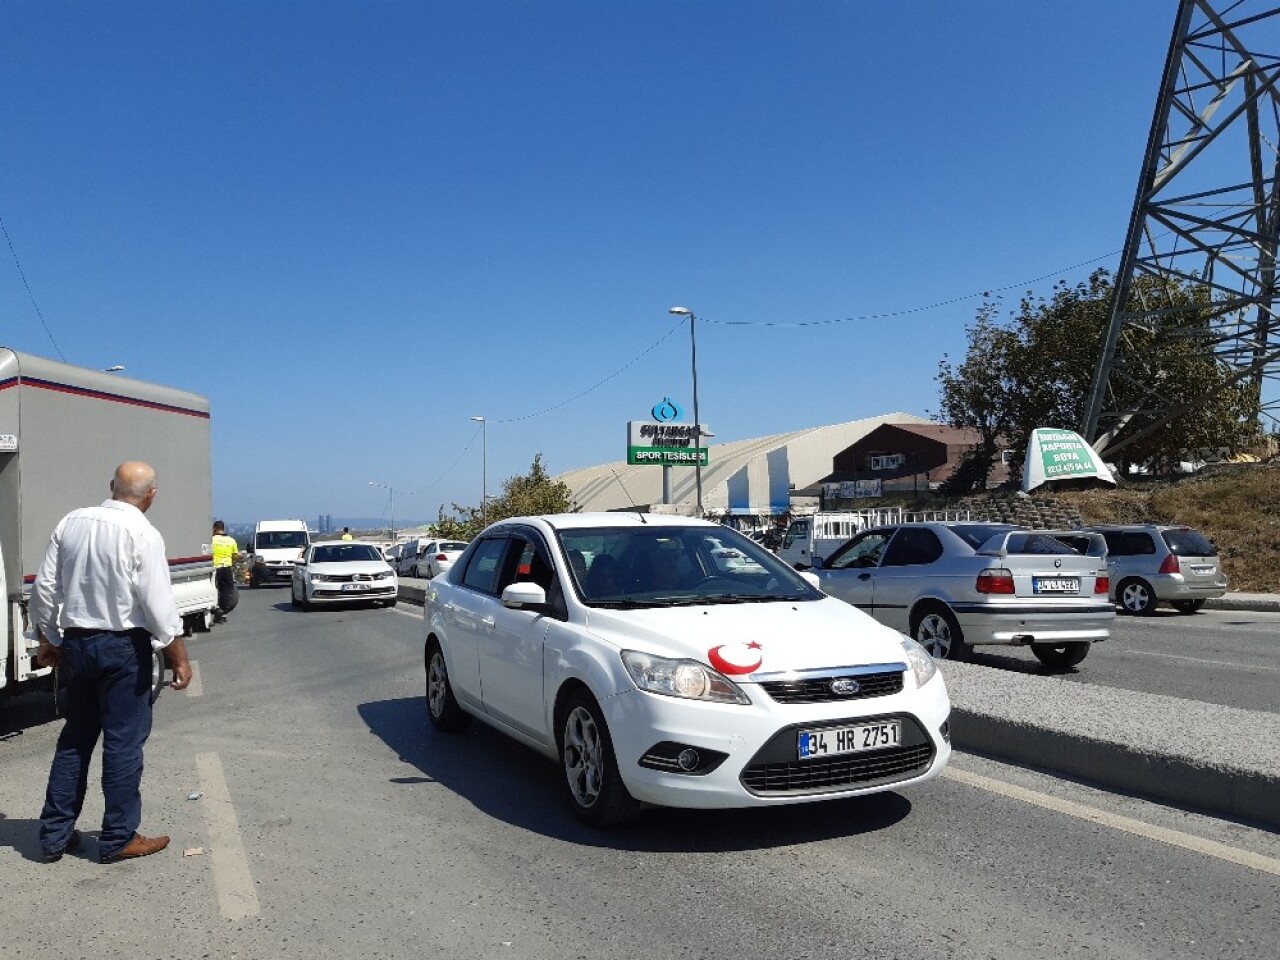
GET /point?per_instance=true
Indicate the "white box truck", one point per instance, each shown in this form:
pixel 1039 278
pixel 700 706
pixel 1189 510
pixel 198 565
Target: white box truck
pixel 818 535
pixel 63 431
pixel 276 547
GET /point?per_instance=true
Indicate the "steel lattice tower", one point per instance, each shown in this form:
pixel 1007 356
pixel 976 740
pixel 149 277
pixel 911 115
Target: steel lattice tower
pixel 1207 214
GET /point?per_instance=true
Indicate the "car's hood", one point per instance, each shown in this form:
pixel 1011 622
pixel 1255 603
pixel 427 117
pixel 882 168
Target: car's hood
pixel 348 568
pixel 754 638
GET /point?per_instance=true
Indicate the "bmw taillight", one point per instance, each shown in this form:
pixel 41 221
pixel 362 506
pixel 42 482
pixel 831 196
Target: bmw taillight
pixel 1102 585
pixel 1170 564
pixel 995 581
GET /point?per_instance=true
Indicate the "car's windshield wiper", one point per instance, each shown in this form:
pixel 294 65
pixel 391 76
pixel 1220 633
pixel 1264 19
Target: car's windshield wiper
pixel 620 604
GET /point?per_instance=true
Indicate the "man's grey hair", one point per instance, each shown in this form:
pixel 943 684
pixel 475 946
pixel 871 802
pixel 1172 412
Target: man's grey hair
pixel 133 482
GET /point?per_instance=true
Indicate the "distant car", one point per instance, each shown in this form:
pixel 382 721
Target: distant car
pixel 615 644
pixel 729 559
pixel 437 556
pixel 1150 563
pixel 955 585
pixel 343 572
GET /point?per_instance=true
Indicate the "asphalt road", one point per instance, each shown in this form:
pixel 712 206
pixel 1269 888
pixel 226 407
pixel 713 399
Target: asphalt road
pixel 332 822
pixel 1228 657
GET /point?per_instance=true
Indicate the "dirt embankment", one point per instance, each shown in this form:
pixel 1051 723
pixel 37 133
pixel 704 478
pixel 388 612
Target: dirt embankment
pixel 1237 506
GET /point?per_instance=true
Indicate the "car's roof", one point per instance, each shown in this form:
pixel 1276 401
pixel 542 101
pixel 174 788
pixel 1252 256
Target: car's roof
pixel 1138 526
pixel 621 519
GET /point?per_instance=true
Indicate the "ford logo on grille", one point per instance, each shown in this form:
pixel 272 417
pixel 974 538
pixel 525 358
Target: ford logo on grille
pixel 844 687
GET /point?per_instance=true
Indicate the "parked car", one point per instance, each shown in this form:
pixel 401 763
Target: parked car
pixel 614 644
pixel 956 585
pixel 342 572
pixel 1150 563
pixel 437 556
pixel 407 553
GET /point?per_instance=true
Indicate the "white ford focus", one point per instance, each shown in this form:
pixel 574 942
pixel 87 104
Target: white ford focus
pixel 615 644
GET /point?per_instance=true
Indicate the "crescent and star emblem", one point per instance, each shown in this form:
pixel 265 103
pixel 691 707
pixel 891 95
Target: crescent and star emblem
pixel 736 659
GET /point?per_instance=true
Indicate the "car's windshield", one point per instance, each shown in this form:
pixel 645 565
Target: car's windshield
pixel 976 534
pixel 275 539
pixel 344 553
pixel 654 565
pixel 1186 542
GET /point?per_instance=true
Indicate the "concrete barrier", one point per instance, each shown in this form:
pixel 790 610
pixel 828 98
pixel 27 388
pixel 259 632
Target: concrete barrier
pixel 1219 759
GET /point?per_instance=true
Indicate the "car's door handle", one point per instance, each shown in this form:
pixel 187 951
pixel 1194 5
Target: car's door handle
pixel 489 622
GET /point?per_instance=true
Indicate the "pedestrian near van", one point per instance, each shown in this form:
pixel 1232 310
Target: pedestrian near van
pixel 101 598
pixel 225 549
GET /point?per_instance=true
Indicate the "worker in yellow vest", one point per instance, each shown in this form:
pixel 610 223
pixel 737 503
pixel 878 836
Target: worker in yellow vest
pixel 225 549
pixel 346 534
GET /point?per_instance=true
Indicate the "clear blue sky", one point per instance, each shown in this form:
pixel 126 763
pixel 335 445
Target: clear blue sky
pixel 355 225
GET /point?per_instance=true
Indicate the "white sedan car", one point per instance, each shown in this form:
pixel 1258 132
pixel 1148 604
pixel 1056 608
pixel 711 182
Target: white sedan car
pixel 438 556
pixel 343 572
pixel 616 645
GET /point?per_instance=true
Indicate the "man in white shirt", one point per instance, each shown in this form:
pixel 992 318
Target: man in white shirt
pixel 101 597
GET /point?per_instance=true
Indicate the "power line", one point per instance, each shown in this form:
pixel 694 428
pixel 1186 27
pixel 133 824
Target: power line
pixel 23 275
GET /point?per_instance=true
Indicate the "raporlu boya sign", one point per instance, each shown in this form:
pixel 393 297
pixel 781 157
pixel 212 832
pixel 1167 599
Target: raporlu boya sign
pixel 1054 454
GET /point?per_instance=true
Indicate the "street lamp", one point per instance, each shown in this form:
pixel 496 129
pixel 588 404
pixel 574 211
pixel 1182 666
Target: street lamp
pixel 391 507
pixel 697 432
pixel 484 470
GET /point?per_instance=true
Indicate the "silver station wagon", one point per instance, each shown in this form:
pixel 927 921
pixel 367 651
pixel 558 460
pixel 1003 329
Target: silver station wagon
pixel 952 586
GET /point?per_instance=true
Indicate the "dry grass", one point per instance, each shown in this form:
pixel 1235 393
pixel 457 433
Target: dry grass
pixel 1237 506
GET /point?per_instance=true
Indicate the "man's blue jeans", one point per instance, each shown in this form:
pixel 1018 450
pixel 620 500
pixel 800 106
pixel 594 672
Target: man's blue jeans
pixel 109 695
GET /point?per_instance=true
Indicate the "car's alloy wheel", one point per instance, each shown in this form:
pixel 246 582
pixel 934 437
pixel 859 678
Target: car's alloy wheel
pixel 1136 598
pixel 596 790
pixel 939 633
pixel 442 706
pixel 1061 655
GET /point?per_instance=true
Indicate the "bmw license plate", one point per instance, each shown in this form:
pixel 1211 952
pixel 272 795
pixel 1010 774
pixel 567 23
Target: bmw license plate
pixel 1055 584
pixel 836 740
pixel 355 586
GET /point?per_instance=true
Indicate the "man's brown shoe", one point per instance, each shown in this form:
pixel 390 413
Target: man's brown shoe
pixel 139 846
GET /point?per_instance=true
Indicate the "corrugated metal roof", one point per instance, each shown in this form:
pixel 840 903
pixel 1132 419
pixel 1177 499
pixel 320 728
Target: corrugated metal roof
pixel 759 470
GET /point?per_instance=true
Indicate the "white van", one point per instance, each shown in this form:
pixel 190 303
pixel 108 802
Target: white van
pixel 276 547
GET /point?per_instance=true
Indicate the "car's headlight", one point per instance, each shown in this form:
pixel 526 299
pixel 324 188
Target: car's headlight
pixel 386 573
pixel 918 658
pixel 680 678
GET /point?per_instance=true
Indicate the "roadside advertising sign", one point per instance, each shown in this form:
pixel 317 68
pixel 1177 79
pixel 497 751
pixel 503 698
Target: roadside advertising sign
pixel 1054 454
pixel 665 443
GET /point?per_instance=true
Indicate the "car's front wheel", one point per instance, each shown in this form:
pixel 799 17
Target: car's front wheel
pixel 1136 597
pixel 1061 655
pixel 1187 606
pixel 596 791
pixel 442 706
pixel 936 629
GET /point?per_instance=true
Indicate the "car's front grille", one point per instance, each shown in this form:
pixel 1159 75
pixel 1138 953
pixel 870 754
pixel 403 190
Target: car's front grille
pixel 352 578
pixel 819 689
pixel 835 773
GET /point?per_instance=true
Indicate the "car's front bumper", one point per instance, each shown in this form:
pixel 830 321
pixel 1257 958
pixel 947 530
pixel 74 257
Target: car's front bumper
pixel 334 592
pixel 1006 623
pixel 759 765
pixel 272 572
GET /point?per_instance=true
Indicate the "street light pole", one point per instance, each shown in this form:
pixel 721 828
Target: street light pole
pixel 484 470
pixel 697 421
pixel 391 507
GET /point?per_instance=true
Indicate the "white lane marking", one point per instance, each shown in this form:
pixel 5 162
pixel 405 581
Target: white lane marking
pixel 237 898
pixel 195 688
pixel 1216 663
pixel 1209 848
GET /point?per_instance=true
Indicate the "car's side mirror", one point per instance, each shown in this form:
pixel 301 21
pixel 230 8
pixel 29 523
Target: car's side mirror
pixel 811 579
pixel 524 596
pixel 817 563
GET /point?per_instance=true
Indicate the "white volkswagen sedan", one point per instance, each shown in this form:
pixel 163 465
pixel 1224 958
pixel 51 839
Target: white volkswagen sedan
pixel 615 644
pixel 343 572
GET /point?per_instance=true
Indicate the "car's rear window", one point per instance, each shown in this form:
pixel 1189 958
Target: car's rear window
pixel 976 534
pixel 453 546
pixel 1038 543
pixel 1186 542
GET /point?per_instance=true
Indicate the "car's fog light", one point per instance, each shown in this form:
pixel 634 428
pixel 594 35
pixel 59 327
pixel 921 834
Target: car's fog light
pixel 688 759
pixel 945 730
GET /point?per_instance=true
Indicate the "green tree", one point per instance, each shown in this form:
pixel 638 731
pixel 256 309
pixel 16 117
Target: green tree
pixel 522 496
pixel 1035 369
